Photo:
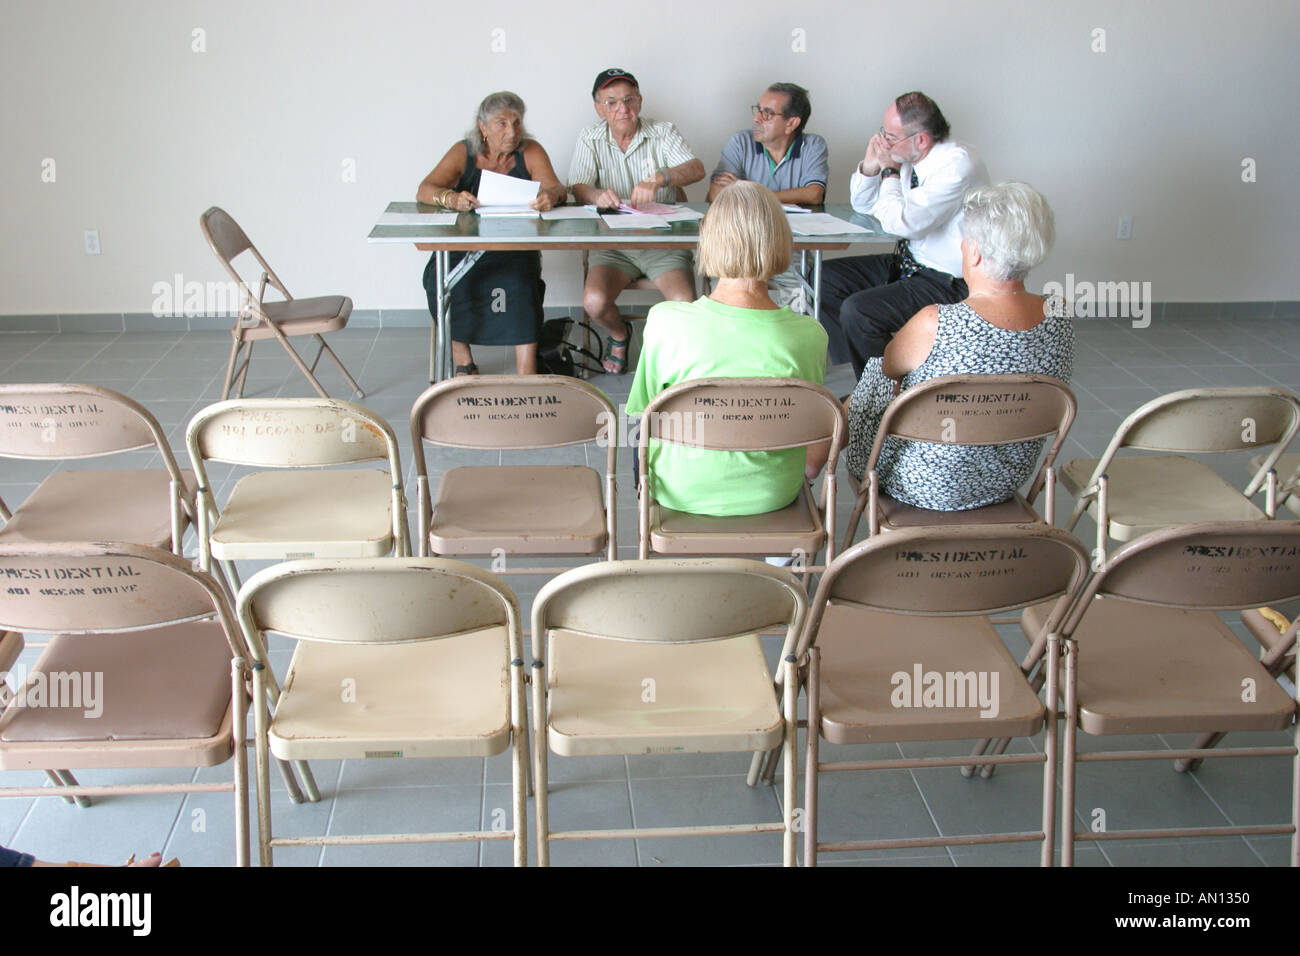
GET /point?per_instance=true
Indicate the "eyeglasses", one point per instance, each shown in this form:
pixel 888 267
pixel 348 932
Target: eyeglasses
pixel 892 140
pixel 767 114
pixel 631 102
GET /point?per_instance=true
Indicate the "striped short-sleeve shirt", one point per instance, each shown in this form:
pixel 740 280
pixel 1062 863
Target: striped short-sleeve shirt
pixel 598 162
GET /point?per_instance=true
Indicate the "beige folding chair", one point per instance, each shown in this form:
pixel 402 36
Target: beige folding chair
pixel 896 609
pixel 555 510
pixel 694 624
pixel 1145 653
pixel 293 512
pixel 433 650
pixel 1131 495
pixel 147 669
pixel 969 410
pixel 150 506
pixel 742 414
pixel 259 319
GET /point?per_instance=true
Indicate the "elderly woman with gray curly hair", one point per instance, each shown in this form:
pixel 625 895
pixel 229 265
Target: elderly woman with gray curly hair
pixel 499 301
pixel 999 329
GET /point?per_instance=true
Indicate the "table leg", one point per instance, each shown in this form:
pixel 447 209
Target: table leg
pixel 440 359
pixel 437 338
pixel 817 284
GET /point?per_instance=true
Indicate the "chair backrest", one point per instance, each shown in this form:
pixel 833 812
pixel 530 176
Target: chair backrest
pixel 961 571
pixel 290 433
pixel 1202 420
pixel 512 412
pixel 223 234
pixel 744 414
pixel 228 241
pixel 1208 566
pixel 84 588
pixel 670 601
pixel 74 421
pixel 377 601
pixel 979 410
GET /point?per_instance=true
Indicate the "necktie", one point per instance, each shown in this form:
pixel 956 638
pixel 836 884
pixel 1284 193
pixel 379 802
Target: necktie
pixel 907 266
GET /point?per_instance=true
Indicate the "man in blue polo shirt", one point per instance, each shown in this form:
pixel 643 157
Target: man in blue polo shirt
pixel 778 153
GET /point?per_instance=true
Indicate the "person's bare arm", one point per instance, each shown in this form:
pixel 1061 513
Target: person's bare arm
pixel 437 189
pixel 912 344
pixel 720 182
pixel 551 193
pixel 691 171
pixel 808 195
pixel 816 461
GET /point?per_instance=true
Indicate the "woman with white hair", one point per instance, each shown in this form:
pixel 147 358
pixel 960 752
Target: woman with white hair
pixel 499 301
pixel 736 331
pixel 999 329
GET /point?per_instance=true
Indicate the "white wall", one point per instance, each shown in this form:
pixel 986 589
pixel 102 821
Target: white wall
pixel 146 133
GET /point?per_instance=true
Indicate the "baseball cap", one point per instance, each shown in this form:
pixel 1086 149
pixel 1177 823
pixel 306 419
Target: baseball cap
pixel 606 77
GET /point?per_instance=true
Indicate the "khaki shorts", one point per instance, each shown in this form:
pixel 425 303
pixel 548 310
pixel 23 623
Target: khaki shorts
pixel 636 263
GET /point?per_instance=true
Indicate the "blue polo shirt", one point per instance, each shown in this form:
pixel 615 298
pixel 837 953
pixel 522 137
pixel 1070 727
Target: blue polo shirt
pixel 804 164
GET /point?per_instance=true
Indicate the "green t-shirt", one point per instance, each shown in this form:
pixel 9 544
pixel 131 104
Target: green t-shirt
pixel 706 339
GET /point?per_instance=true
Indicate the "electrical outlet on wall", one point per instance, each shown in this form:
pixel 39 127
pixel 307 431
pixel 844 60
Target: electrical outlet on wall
pixel 1125 228
pixel 92 242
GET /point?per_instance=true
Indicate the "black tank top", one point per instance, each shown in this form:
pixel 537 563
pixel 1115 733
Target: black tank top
pixel 469 179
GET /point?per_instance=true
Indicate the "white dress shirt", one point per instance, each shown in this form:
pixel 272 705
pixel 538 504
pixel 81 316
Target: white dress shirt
pixel 929 215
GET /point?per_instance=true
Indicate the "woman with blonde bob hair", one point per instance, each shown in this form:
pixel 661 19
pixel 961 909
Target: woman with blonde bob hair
pixel 736 331
pixel 999 329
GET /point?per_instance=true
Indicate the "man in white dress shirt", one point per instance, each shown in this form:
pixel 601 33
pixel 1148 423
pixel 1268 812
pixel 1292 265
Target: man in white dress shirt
pixel 912 179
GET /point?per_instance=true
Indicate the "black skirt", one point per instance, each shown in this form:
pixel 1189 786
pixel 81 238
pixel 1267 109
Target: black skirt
pixel 498 302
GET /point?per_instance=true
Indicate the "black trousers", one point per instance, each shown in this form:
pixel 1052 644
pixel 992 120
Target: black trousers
pixel 865 301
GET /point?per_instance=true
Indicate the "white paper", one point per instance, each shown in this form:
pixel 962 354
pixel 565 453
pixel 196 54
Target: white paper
pixel 634 221
pixel 497 190
pixel 572 212
pixel 683 215
pixel 791 207
pixel 417 219
pixel 489 212
pixel 823 224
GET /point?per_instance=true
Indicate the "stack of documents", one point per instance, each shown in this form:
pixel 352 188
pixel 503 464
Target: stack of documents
pixel 505 195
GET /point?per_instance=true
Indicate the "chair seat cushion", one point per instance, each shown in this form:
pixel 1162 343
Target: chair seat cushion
pixel 316 316
pixel 99 505
pixel 298 513
pixel 797 525
pixel 714 696
pixel 445 698
pixel 898 514
pixel 159 684
pixel 1154 670
pixel 1146 493
pixel 532 509
pixel 890 678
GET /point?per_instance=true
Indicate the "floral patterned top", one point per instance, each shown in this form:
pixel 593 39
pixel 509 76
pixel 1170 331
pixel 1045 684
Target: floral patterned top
pixel 945 477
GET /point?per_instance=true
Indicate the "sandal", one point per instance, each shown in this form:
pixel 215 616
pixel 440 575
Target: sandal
pixel 470 369
pixel 612 343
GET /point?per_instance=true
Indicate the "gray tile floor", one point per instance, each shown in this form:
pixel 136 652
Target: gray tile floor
pixel 1117 368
